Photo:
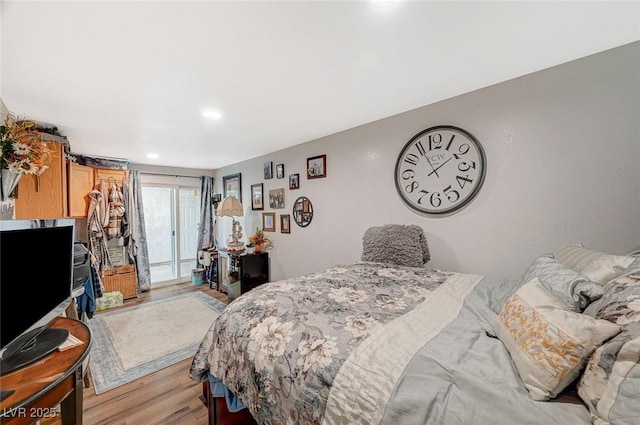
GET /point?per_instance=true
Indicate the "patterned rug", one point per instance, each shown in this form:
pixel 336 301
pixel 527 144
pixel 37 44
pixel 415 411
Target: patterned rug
pixel 134 342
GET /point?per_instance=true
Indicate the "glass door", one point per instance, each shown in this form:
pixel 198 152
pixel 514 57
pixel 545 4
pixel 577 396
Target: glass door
pixel 189 220
pixel 171 220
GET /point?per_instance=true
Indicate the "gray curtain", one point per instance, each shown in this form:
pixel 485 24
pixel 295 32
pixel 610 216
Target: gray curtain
pixel 137 247
pixel 207 215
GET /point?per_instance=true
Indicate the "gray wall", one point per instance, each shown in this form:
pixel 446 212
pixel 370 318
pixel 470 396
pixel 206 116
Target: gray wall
pixel 563 153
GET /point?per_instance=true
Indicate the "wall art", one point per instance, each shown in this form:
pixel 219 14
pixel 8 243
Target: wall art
pixel 285 223
pixel 268 170
pixel 280 171
pixel 302 211
pixel 294 181
pixel 317 167
pixel 232 185
pixel 257 197
pixel 276 198
pixel 269 222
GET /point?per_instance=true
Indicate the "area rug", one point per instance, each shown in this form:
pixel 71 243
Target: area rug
pixel 134 342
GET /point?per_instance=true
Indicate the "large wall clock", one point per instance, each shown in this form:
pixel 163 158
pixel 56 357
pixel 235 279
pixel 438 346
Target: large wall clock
pixel 440 170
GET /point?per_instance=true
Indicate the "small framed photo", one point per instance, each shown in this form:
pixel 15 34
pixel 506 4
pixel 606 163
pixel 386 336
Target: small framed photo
pixel 257 198
pixel 294 181
pixel 268 170
pixel 317 167
pixel 285 223
pixel 232 185
pixel 269 222
pixel 276 198
pixel 280 171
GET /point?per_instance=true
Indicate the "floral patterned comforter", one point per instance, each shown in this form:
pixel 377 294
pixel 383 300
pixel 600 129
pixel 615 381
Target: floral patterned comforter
pixel 280 346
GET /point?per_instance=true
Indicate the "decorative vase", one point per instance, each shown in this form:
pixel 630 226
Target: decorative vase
pixel 250 250
pixel 10 181
pixel 257 249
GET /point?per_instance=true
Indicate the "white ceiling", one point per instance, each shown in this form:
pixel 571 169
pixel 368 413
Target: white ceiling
pixel 124 79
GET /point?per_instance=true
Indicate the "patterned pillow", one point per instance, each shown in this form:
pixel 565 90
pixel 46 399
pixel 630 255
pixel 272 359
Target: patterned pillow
pixel 548 343
pixel 597 266
pixel 621 300
pixel 610 383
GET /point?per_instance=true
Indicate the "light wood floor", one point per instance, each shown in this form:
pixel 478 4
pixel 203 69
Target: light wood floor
pixel 166 397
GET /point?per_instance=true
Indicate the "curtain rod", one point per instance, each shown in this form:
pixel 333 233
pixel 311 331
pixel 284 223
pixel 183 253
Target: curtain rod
pixel 167 175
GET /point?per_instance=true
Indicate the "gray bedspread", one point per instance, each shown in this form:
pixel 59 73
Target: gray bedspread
pixel 371 343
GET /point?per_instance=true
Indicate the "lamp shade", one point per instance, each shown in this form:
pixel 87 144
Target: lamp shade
pixel 229 207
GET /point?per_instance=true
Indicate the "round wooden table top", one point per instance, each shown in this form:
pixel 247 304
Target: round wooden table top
pixel 32 381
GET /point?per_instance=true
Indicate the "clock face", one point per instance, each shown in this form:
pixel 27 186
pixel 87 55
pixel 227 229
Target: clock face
pixel 440 170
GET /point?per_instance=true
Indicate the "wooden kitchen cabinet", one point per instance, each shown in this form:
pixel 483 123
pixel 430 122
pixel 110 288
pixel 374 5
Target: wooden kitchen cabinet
pixel 80 181
pixel 45 196
pixel 63 189
pixel 108 176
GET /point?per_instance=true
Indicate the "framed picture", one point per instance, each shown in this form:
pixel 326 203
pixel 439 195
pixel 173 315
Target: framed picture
pixel 294 181
pixel 269 222
pixel 302 211
pixel 268 170
pixel 232 185
pixel 280 171
pixel 276 198
pixel 285 223
pixel 257 203
pixel 317 167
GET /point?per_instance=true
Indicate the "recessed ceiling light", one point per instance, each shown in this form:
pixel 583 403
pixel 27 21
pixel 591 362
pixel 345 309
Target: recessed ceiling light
pixel 153 156
pixel 212 114
pixel 385 5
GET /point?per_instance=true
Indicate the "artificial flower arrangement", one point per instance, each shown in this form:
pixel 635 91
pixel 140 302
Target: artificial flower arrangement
pixel 23 149
pixel 258 239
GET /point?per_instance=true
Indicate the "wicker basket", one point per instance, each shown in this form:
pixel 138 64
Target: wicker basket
pixel 121 279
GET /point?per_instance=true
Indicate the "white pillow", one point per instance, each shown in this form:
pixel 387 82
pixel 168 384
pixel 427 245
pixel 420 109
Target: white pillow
pixel 598 266
pixel 548 343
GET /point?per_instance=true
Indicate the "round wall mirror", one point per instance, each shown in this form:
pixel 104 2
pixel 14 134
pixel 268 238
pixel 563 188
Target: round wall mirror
pixel 302 211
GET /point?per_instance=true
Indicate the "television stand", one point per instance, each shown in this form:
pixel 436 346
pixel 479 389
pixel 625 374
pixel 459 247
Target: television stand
pixel 32 346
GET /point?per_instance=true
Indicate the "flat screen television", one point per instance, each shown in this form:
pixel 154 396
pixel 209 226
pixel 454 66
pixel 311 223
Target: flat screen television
pixel 36 278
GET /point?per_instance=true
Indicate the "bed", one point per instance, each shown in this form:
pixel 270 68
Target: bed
pixel 375 342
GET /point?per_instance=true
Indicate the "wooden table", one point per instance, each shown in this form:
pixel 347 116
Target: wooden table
pixel 52 380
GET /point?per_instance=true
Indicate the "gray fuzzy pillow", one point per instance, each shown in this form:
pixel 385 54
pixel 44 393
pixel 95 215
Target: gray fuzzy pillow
pixel 399 244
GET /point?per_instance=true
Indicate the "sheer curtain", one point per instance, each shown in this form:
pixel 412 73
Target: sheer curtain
pixel 207 217
pixel 137 247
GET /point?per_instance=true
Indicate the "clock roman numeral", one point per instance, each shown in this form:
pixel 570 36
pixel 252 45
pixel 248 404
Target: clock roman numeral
pixel 453 136
pixel 411 158
pixel 462 181
pixel 434 141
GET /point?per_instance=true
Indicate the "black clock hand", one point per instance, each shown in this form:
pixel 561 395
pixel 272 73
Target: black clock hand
pixel 437 168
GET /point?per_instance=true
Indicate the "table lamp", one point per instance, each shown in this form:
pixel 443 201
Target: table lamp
pixel 231 207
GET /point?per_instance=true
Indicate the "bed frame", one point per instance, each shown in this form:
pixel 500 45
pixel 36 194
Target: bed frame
pixel 219 414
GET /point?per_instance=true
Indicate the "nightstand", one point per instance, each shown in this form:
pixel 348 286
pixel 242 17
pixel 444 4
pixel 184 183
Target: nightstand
pixel 239 272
